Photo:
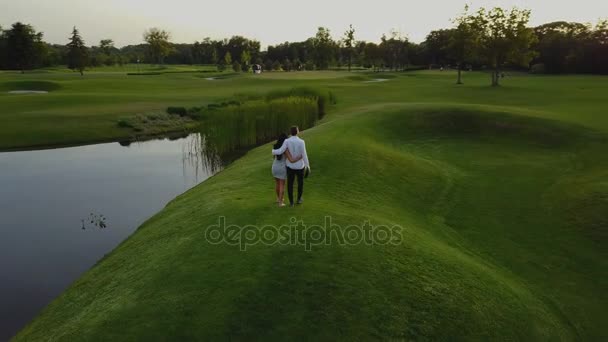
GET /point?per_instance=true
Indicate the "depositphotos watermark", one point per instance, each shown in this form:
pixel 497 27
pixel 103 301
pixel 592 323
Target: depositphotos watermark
pixel 297 233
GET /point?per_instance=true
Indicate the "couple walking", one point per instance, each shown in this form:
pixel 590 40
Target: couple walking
pixel 290 162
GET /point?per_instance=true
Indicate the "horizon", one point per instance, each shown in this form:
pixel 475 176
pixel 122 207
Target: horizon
pixel 268 24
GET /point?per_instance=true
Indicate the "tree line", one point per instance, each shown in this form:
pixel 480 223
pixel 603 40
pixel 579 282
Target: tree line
pixel 493 39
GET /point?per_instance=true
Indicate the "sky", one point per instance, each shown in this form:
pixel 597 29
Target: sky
pixel 269 21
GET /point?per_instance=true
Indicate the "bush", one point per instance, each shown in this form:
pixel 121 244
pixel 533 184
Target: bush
pixel 245 67
pixel 124 123
pixel 310 66
pixel 268 65
pixel 181 111
pixel 276 66
pixel 287 66
pixel 236 66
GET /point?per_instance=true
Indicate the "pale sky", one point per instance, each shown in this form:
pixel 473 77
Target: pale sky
pixel 269 21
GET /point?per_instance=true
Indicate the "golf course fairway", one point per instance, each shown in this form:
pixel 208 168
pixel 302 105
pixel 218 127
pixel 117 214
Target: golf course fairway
pixel 501 195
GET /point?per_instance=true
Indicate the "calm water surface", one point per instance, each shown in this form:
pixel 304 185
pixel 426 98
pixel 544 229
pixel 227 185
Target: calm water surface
pixel 48 196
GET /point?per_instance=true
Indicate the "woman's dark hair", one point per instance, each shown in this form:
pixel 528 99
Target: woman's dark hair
pixel 279 143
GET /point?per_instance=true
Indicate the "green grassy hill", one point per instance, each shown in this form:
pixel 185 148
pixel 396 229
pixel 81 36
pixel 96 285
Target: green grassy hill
pixel 501 194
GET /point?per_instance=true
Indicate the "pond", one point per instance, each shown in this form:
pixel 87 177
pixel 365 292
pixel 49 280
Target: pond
pixel 61 210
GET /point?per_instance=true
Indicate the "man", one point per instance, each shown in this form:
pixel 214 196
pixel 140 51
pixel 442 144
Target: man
pixel 297 148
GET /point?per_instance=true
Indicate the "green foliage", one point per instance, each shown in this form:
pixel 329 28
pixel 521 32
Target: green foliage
pixel 268 65
pixel 258 121
pixel 236 66
pixel 464 41
pixel 504 37
pixel 228 58
pixel 324 47
pixel 276 66
pixel 155 123
pixel 349 40
pixel 78 53
pixel 22 47
pixel 181 111
pixel 158 44
pixel 322 98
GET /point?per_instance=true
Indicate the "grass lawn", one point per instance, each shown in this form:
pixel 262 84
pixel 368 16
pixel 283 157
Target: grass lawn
pixel 501 194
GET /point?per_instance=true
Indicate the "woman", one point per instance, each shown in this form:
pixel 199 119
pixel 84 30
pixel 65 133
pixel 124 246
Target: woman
pixel 279 169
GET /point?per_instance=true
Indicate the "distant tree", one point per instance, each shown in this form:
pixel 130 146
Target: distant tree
pixel 245 59
pixel 437 43
pixel 394 51
pixel 276 66
pixel 349 40
pixel 268 65
pixel 287 65
pixel 309 65
pixel 159 46
pixel 297 65
pixel 106 45
pixel 373 56
pixel 504 38
pixel 560 46
pixel 236 66
pixel 463 42
pixel 77 52
pixel 323 48
pixel 24 47
pixel 221 65
pixel 2 48
pixel 228 58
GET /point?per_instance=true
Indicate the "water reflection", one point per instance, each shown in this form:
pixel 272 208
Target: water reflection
pixel 199 154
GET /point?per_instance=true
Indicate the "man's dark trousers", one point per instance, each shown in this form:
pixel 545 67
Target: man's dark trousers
pixel 291 175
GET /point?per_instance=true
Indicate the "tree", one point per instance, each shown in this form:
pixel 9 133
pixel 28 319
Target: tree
pixel 504 37
pixel 287 65
pixel 77 52
pixel 236 66
pixel 323 48
pixel 349 40
pixel 372 56
pixel 228 58
pixel 268 65
pixel 158 44
pixel 436 45
pixel 245 58
pixel 106 45
pixel 394 51
pixel 463 40
pixel 276 66
pixel 24 47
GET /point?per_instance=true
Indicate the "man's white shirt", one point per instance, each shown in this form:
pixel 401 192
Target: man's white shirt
pixel 297 148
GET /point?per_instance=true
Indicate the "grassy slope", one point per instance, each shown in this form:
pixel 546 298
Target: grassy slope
pixel 500 241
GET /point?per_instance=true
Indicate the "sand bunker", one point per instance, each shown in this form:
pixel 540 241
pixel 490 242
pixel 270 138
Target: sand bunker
pixel 376 80
pixel 28 92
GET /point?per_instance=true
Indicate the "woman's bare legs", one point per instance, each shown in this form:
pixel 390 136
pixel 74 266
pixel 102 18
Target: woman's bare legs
pixel 277 189
pixel 281 190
